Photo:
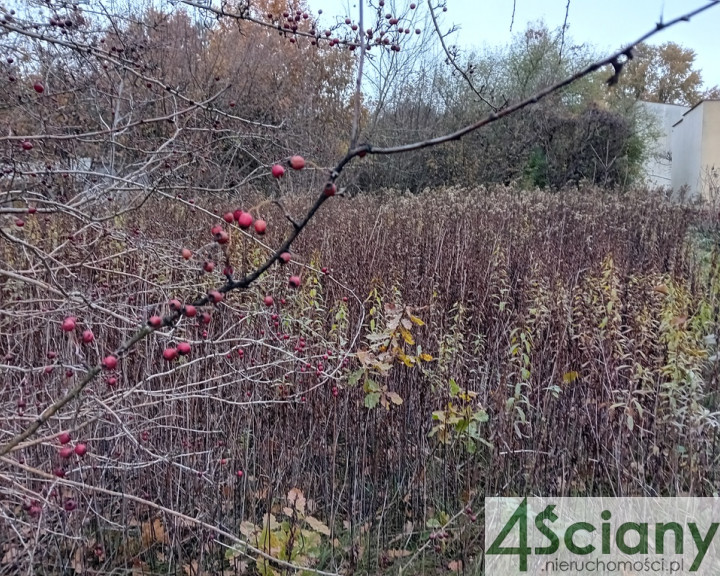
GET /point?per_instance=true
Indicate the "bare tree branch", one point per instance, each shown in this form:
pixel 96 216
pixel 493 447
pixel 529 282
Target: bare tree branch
pixel 451 58
pixel 564 30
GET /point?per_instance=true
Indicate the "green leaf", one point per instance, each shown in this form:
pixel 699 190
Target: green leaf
pixel 432 523
pixel 454 388
pixel 439 415
pixel 372 399
pixel 371 386
pixel 481 416
pixel 354 378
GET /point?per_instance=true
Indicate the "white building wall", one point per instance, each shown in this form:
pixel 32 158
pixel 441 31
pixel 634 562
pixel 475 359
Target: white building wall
pixel 710 161
pixel 696 152
pixel 687 152
pixel 658 167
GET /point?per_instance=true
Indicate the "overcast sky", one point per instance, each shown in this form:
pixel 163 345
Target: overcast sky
pixel 606 24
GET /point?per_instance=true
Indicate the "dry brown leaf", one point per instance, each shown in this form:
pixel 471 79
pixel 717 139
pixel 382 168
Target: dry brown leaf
pixel 296 499
pixel 153 532
pixel 78 561
pixel 317 525
pixel 397 553
pixel 12 555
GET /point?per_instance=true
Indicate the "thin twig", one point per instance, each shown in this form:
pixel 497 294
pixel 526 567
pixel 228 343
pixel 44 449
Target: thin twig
pixel 452 60
pixel 358 83
pixel 564 29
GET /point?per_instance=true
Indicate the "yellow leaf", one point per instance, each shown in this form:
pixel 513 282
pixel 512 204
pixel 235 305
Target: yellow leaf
pixel 425 357
pixel 570 377
pixel 417 320
pixel 407 336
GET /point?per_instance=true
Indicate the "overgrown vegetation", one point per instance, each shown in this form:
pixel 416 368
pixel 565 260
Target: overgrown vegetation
pixel 561 348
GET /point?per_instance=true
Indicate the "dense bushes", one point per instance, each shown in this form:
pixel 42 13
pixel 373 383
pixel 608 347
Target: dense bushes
pixel 558 346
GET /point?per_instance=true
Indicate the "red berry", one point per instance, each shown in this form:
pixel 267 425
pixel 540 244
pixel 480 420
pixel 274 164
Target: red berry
pixel 186 254
pixel 237 214
pixel 19 222
pixel 88 336
pixel 294 281
pixel 215 296
pixel 278 171
pixel 26 145
pixel 215 230
pixel 64 437
pixel 228 217
pixel 80 449
pixel 190 311
pixel 324 270
pixel 68 324
pixel 70 505
pixel 110 362
pixel 170 354
pixel 297 162
pixel 268 300
pixel 183 348
pixel 330 189
pixel 205 317
pixel 239 473
pixel 39 88
pixel 208 267
pixel 155 321
pixel 284 258
pixel 260 226
pixel 65 452
pixel 222 237
pixel 245 220
pixel 112 381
